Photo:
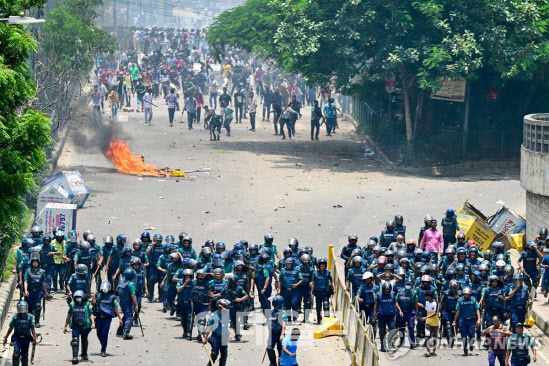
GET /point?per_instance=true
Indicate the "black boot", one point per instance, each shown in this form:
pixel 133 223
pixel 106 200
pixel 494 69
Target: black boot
pixel 120 331
pixel 213 356
pixel 272 356
pixel 127 335
pixel 84 353
pixel 185 326
pixel 74 344
pixel 223 358
pixel 382 333
pixel 190 327
pixel 37 312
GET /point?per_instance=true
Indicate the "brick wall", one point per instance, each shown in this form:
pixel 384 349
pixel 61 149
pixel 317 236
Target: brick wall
pixel 537 214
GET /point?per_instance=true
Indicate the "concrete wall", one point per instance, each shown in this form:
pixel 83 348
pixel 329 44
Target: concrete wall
pixel 534 171
pixel 537 214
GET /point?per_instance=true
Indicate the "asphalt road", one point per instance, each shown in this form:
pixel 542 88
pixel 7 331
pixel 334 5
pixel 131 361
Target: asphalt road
pixel 252 183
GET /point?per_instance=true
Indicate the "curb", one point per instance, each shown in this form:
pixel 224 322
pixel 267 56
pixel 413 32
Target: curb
pixel 541 323
pixel 450 170
pixel 7 290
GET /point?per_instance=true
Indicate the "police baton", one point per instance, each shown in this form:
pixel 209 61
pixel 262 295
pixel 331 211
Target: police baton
pixel 34 347
pixel 208 353
pixel 95 274
pixel 140 324
pixel 43 307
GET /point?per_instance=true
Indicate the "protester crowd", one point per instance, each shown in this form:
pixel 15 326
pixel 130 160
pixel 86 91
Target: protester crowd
pixel 174 68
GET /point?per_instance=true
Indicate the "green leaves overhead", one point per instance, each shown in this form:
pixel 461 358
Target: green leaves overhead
pixel 334 41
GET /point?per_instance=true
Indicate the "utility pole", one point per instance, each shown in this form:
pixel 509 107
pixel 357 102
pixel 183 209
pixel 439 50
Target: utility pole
pixel 115 14
pixel 127 13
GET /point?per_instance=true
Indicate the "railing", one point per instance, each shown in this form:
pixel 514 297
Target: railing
pixel 357 335
pixel 448 146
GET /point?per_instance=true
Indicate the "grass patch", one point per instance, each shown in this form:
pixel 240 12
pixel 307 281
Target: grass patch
pixel 25 223
pixel 336 164
pixel 304 189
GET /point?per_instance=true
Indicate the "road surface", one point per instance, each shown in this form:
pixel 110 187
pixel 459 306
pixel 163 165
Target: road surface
pixel 250 184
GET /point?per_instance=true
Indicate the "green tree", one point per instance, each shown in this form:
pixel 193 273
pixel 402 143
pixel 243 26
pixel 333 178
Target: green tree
pixel 354 43
pixel 24 132
pixel 69 41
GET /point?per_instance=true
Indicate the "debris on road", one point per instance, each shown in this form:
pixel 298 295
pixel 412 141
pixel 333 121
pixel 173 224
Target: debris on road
pixel 127 162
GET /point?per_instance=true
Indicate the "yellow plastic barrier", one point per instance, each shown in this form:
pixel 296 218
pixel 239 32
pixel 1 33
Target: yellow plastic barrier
pixel 329 327
pixel 517 241
pixel 356 334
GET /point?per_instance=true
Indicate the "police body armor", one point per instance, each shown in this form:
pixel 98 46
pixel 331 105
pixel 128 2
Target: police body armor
pixel 321 280
pixel 106 306
pixel 45 259
pixel 84 258
pixel 290 278
pixel 450 301
pixel 368 294
pixel 79 314
pixel 139 280
pixel 492 299
pixel 200 291
pixel 406 300
pixel 79 283
pixel 22 326
pixel 124 291
pixel 35 279
pixel 276 327
pixel 186 252
pixel 307 274
pixel 520 299
pixel 530 261
pixel 387 237
pixel 448 226
pixel 219 286
pixel 116 254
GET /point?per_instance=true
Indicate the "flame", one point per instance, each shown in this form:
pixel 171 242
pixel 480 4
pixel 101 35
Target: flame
pixel 127 162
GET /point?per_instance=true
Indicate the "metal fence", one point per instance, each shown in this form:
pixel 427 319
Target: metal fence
pixel 448 147
pixel 357 335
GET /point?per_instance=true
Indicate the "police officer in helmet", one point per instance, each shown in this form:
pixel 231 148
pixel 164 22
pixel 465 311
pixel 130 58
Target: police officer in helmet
pixel 106 304
pixel 80 318
pixel 35 287
pixel 219 336
pixel 22 324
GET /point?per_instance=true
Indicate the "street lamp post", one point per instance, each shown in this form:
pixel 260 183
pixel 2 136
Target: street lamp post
pixel 21 19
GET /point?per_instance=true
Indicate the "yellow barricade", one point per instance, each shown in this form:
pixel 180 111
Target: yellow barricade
pixel 356 334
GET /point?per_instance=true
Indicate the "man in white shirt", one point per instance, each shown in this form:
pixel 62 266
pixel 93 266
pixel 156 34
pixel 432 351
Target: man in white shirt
pixel 103 91
pixel 251 104
pixel 147 106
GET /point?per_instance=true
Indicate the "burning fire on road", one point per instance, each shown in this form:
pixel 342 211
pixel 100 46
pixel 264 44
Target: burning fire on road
pixel 127 162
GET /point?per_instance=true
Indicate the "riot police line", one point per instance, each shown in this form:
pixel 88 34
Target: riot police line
pixel 212 289
pixel 404 290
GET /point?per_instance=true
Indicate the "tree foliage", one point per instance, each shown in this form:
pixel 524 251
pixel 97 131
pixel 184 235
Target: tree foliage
pixel 24 132
pixel 69 40
pixel 353 43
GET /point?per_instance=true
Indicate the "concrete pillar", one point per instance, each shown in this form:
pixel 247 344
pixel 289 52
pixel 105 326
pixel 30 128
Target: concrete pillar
pixel 534 172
